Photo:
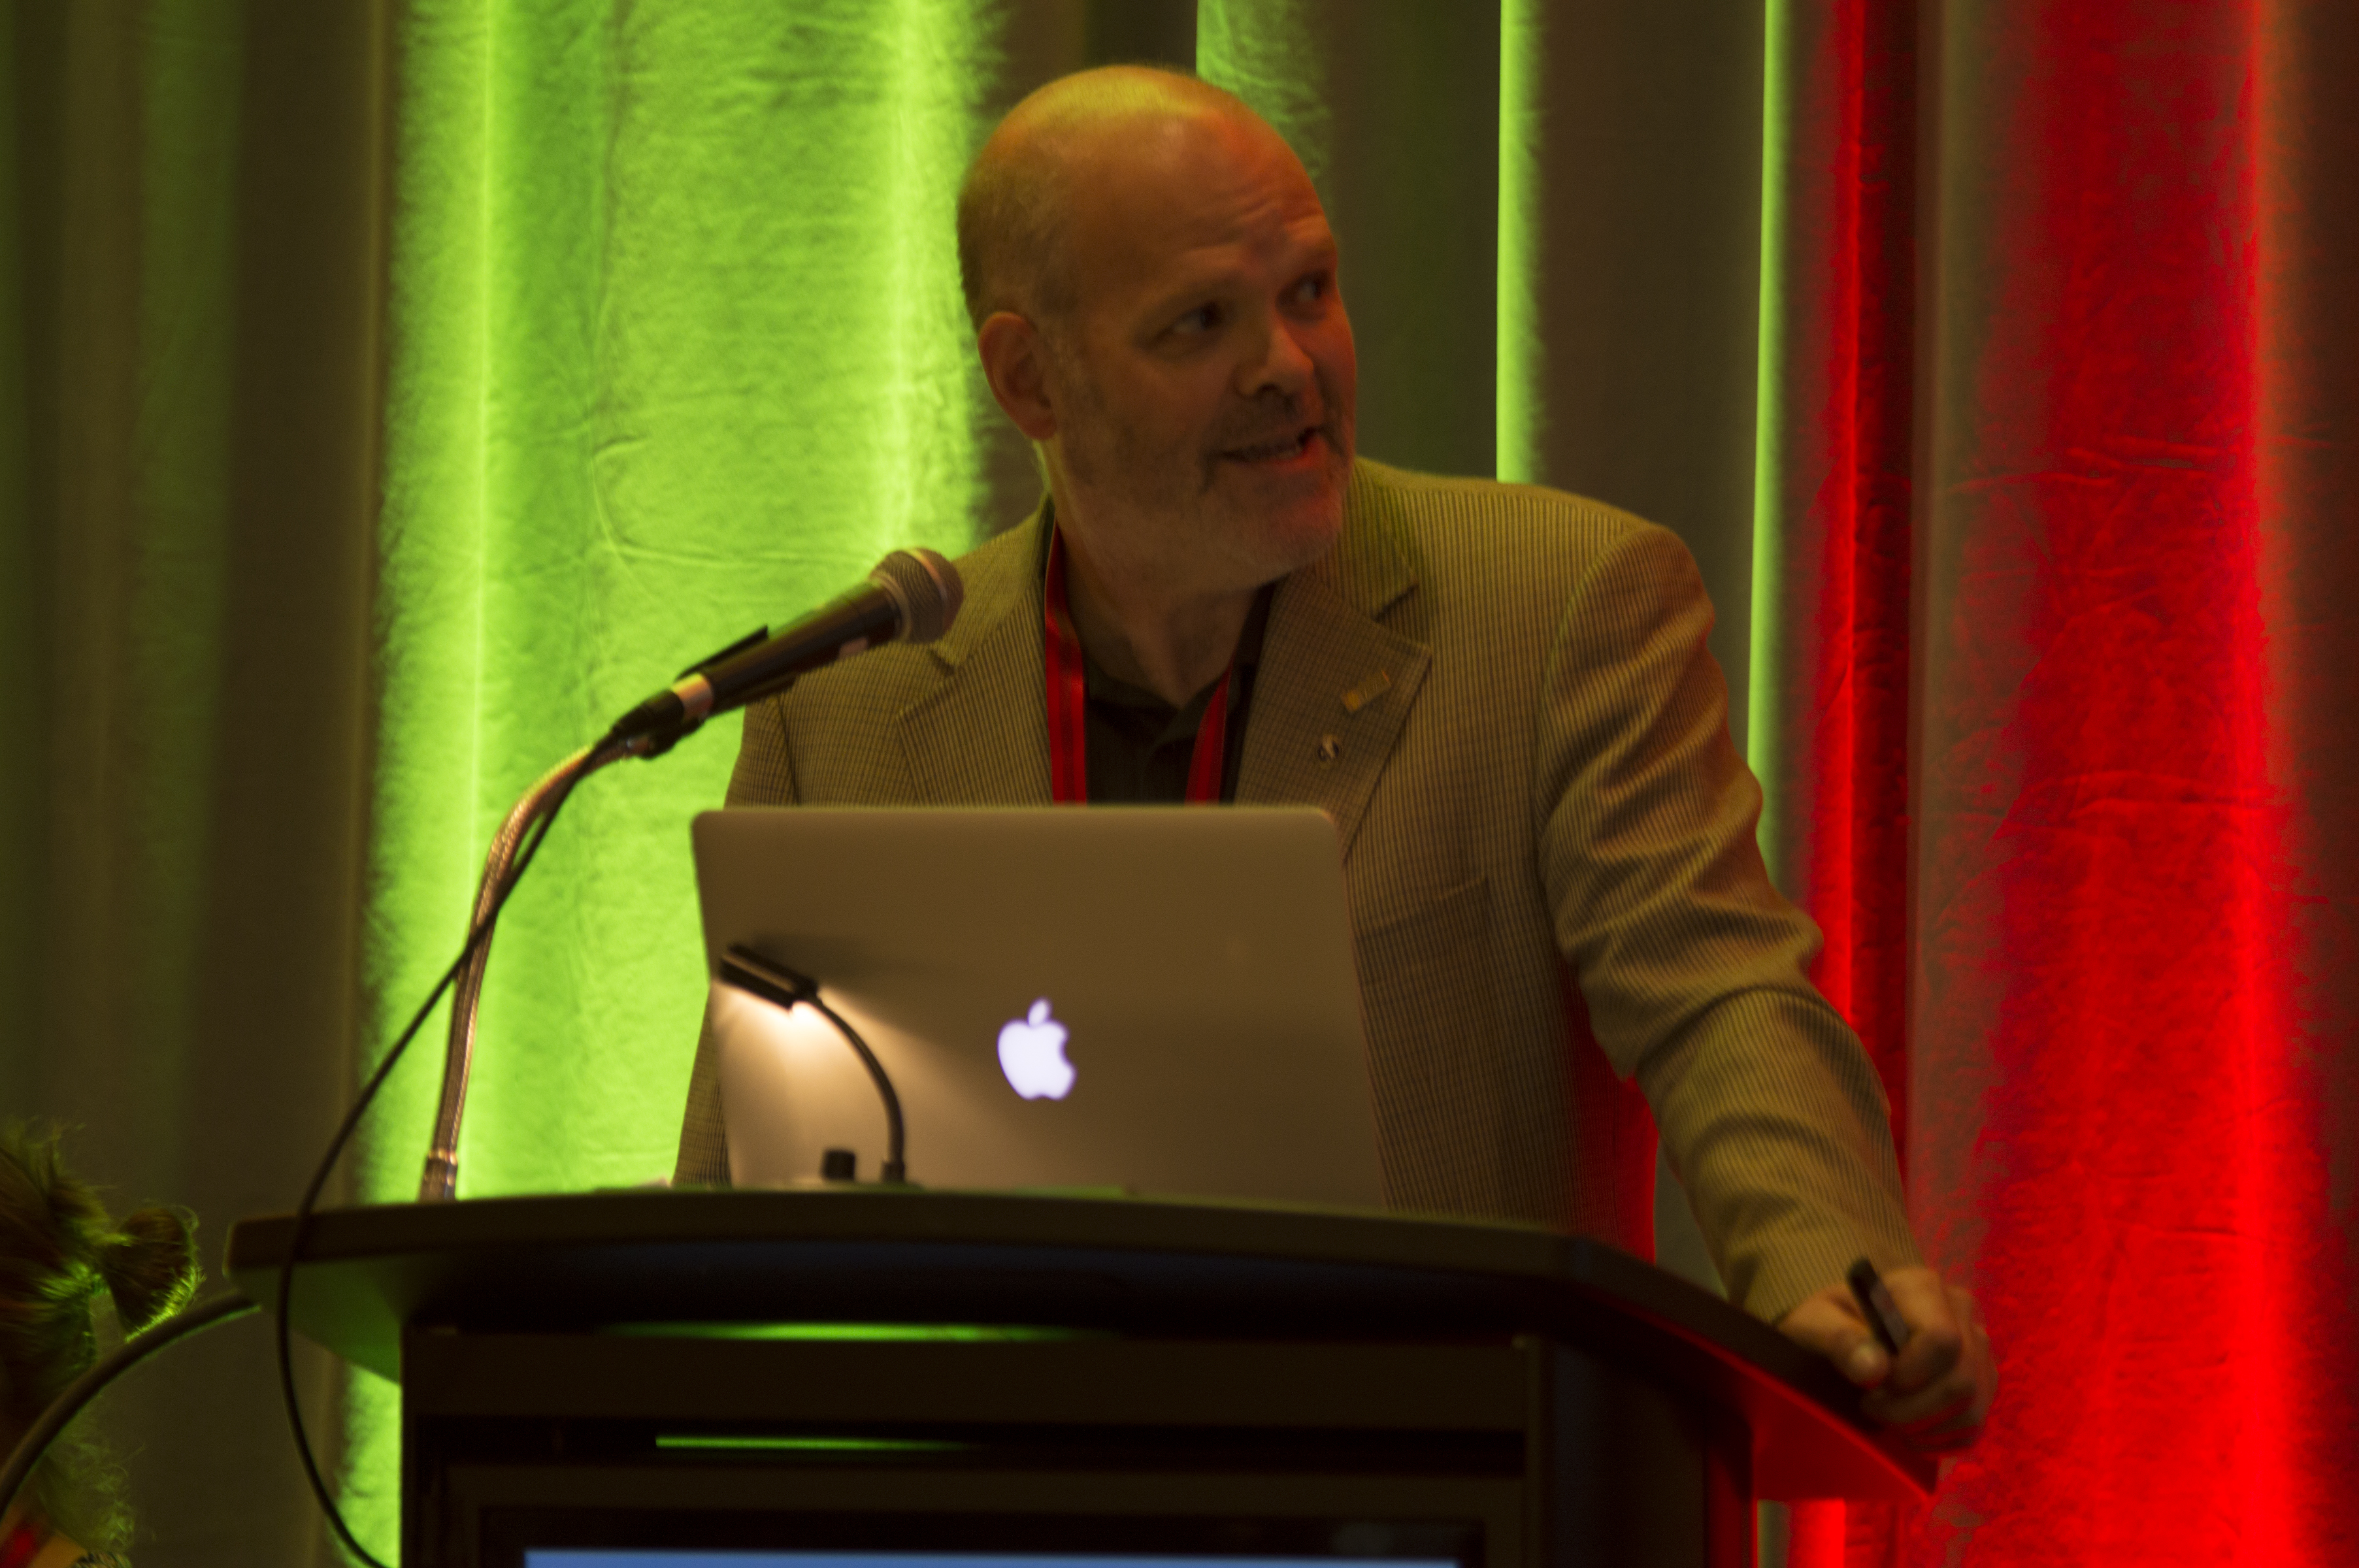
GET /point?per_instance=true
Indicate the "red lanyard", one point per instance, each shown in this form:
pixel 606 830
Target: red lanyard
pixel 21 1547
pixel 1069 769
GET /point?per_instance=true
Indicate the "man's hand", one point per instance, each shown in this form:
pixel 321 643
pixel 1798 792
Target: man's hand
pixel 1938 1390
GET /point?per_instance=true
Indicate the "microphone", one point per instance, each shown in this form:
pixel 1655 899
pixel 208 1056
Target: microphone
pixel 911 597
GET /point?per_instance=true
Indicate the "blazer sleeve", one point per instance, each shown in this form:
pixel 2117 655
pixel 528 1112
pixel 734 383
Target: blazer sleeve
pixel 764 775
pixel 1691 964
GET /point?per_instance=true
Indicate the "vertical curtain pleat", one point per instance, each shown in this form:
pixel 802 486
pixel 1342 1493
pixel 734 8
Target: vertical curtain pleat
pixel 2118 1132
pixel 189 222
pixel 1394 110
pixel 1641 129
pixel 1831 584
pixel 2124 1065
pixel 2099 981
pixel 2306 304
pixel 1629 265
pixel 677 351
pixel 1831 580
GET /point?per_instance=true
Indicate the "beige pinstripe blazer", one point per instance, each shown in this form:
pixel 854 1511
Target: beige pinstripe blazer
pixel 1532 777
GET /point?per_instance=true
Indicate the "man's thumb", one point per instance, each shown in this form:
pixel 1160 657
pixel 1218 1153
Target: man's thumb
pixel 1840 1338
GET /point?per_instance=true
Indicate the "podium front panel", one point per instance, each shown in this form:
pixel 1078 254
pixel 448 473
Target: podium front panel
pixel 546 1450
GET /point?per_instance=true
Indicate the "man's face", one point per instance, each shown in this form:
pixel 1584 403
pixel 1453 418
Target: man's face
pixel 1204 381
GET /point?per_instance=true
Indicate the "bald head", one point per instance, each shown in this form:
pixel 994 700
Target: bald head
pixel 1153 281
pixel 1015 209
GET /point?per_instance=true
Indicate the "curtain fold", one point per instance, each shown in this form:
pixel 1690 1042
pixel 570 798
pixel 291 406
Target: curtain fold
pixel 1629 372
pixel 1412 192
pixel 2307 450
pixel 188 226
pixel 677 349
pixel 2106 958
pixel 1832 551
pixel 1628 267
pixel 2123 1069
pixel 1831 581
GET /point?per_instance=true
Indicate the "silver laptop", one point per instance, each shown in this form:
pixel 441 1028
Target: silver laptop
pixel 1159 1000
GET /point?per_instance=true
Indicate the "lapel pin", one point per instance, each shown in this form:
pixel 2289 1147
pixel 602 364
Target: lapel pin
pixel 1367 691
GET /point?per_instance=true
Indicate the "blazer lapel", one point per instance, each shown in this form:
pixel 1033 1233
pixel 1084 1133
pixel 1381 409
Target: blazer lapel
pixel 1335 682
pixel 1334 687
pixel 981 736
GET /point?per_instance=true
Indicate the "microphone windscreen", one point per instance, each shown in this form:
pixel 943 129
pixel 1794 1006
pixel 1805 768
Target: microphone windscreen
pixel 926 589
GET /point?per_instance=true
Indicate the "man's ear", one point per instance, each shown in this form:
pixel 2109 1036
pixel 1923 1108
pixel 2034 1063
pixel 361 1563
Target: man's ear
pixel 1014 364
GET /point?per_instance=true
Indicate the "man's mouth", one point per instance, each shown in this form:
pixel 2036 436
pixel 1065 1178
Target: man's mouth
pixel 1276 450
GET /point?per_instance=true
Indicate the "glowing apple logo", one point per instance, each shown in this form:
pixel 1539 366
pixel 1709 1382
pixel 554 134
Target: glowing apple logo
pixel 1032 1054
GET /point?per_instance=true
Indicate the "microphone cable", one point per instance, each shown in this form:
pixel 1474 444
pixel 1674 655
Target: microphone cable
pixel 658 731
pixel 282 1335
pixel 60 1412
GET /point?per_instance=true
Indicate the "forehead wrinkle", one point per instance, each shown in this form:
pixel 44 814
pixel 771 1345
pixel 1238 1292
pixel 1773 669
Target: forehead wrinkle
pixel 1206 268
pixel 1245 219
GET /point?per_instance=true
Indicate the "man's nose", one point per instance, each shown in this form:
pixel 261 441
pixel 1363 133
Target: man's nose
pixel 1280 365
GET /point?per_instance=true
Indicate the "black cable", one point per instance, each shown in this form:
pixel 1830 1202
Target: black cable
pixel 282 1335
pixel 68 1404
pixel 896 1170
pixel 759 975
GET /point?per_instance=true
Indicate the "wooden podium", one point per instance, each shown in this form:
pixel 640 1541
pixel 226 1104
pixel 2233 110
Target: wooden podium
pixel 945 1375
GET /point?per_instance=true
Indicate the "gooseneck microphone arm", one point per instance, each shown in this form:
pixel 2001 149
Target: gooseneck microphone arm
pixel 440 1181
pixel 911 597
pixel 925 590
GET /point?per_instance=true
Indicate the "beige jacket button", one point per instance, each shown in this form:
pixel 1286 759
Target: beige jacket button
pixel 1330 748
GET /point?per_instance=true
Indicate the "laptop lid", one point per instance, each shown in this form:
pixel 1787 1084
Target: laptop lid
pixel 1156 999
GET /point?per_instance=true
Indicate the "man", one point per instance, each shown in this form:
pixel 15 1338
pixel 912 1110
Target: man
pixel 1500 694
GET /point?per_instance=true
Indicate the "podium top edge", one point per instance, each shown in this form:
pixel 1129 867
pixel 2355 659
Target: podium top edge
pixel 376 1267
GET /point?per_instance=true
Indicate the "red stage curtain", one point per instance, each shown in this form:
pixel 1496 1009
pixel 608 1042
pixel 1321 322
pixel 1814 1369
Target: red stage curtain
pixel 1831 561
pixel 2058 503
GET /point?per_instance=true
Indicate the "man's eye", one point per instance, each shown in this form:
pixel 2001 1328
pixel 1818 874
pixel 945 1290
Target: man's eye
pixel 1310 290
pixel 1203 319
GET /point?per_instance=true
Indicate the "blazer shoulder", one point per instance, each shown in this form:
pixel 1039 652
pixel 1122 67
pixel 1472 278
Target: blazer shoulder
pixel 998 568
pixel 1503 540
pixel 994 581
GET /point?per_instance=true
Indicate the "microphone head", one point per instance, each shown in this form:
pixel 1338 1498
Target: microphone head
pixel 925 588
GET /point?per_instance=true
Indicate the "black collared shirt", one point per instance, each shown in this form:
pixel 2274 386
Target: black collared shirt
pixel 1139 746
